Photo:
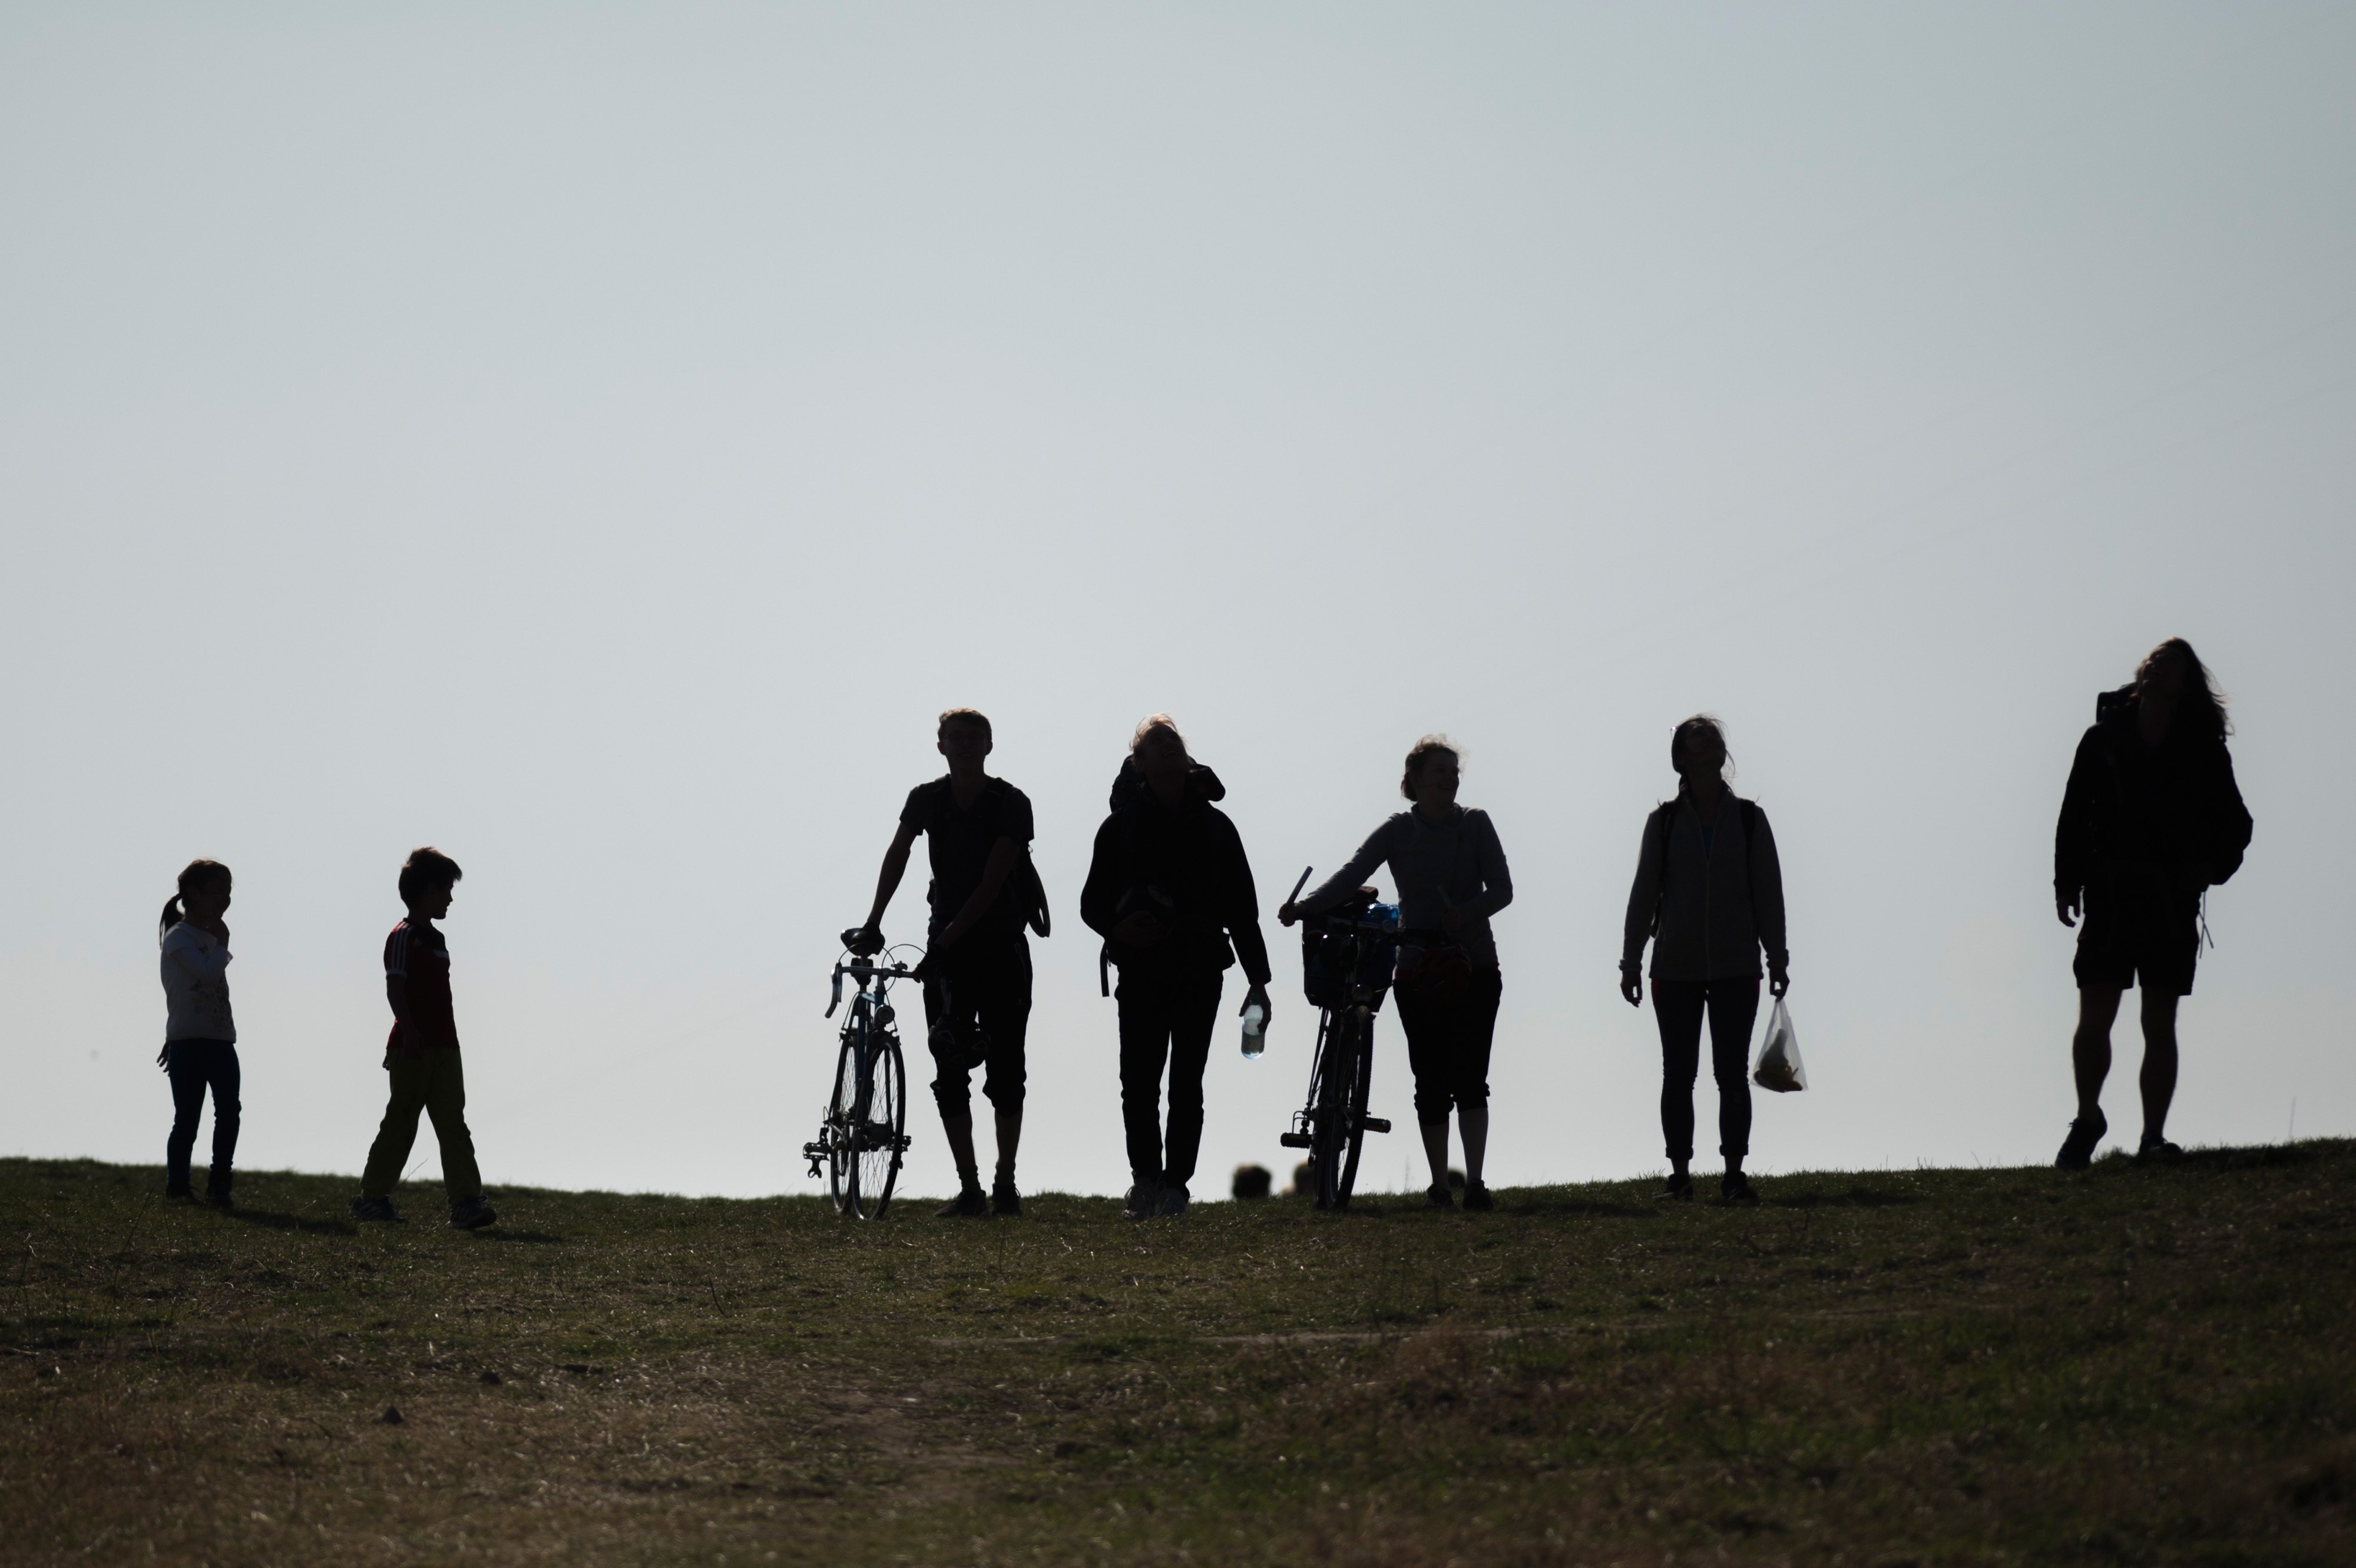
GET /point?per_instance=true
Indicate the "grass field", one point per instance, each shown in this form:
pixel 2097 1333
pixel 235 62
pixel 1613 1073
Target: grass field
pixel 2132 1365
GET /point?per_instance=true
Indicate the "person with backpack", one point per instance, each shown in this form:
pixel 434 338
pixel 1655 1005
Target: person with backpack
pixel 1452 876
pixel 1170 892
pixel 200 1033
pixel 977 967
pixel 1709 897
pixel 2151 819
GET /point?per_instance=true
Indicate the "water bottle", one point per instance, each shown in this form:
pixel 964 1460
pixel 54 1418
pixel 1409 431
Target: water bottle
pixel 1255 1036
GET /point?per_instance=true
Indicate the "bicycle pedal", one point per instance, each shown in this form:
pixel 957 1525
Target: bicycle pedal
pixel 1300 1141
pixel 1373 1125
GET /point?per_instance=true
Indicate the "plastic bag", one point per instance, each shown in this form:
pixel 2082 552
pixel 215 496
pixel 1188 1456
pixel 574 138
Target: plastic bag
pixel 1779 1065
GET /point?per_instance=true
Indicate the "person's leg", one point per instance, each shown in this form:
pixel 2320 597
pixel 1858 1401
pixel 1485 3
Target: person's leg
pixel 2089 1046
pixel 1004 1013
pixel 1144 1005
pixel 952 1093
pixel 222 1074
pixel 1678 1010
pixel 1193 1016
pixel 1733 1008
pixel 187 1106
pixel 2158 1080
pixel 445 1102
pixel 1425 1023
pixel 1476 1033
pixel 407 1080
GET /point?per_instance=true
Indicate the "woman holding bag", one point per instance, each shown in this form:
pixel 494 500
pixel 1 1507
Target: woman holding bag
pixel 1452 876
pixel 1709 895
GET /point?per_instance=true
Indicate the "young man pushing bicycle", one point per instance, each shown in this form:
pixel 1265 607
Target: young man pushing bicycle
pixel 977 969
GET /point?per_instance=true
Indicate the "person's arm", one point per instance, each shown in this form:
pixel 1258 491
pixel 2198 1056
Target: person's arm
pixel 1643 897
pixel 2073 833
pixel 2229 823
pixel 1345 882
pixel 994 873
pixel 1497 880
pixel 887 881
pixel 1239 912
pixel 1101 894
pixel 1766 871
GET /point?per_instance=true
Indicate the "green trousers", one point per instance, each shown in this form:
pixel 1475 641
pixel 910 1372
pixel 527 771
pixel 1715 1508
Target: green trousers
pixel 433 1081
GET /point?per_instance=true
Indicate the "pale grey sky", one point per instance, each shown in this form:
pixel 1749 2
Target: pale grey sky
pixel 597 440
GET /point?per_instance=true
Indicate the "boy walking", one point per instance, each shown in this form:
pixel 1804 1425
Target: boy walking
pixel 977 964
pixel 421 1054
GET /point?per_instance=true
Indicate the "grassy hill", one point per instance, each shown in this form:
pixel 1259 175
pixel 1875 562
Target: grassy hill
pixel 2129 1366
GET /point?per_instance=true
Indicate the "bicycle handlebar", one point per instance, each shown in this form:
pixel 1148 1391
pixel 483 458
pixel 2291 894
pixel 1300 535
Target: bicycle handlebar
pixel 864 971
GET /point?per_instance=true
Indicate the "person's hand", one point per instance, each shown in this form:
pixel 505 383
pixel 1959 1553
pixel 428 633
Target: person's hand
pixel 1139 931
pixel 2065 907
pixel 1267 1009
pixel 865 941
pixel 1288 912
pixel 163 1057
pixel 1631 986
pixel 1779 979
pixel 950 935
pixel 1452 921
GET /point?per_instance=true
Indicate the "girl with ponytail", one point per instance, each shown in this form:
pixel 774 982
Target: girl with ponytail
pixel 199 1036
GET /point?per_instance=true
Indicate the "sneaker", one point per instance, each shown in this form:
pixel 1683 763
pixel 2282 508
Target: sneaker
pixel 2157 1149
pixel 1678 1190
pixel 471 1215
pixel 1476 1197
pixel 218 1198
pixel 1004 1198
pixel 1440 1197
pixel 2078 1148
pixel 376 1209
pixel 178 1189
pixel 1172 1202
pixel 1140 1202
pixel 1734 1187
pixel 972 1201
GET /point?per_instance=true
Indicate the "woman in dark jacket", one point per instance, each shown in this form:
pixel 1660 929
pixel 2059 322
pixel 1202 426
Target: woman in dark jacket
pixel 1710 893
pixel 1168 889
pixel 2151 819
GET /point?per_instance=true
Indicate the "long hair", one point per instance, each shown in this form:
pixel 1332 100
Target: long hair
pixel 195 877
pixel 1421 753
pixel 2200 702
pixel 1698 722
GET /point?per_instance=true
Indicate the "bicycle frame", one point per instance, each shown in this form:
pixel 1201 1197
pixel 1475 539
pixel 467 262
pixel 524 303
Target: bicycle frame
pixel 871 1011
pixel 1334 1118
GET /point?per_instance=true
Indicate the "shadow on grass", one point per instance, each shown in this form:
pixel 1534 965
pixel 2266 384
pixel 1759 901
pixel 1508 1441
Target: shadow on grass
pixel 272 1220
pixel 526 1237
pixel 1855 1198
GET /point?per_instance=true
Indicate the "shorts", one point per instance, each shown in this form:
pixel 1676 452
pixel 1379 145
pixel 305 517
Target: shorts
pixel 2154 940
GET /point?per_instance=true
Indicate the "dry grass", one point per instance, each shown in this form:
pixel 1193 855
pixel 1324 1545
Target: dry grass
pixel 2131 1366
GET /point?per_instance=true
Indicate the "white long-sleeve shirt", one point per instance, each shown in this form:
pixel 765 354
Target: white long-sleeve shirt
pixel 196 986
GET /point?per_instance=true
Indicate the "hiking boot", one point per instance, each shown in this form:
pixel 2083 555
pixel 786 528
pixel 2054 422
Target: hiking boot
pixel 1140 1201
pixel 217 1186
pixel 1004 1200
pixel 2078 1148
pixel 178 1189
pixel 471 1215
pixel 1678 1190
pixel 966 1205
pixel 1440 1197
pixel 1476 1197
pixel 1734 1187
pixel 1172 1202
pixel 2156 1149
pixel 376 1209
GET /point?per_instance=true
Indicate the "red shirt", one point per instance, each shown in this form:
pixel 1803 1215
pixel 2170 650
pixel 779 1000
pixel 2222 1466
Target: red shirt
pixel 418 952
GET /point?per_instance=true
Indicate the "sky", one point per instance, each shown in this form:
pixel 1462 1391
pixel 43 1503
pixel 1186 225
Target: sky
pixel 597 440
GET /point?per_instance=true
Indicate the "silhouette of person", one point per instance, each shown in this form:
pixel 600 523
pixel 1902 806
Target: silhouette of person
pixel 1170 891
pixel 1710 894
pixel 2150 819
pixel 977 966
pixel 200 1033
pixel 1452 876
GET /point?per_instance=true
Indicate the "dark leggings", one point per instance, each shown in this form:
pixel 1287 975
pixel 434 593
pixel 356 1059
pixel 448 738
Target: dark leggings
pixel 196 1066
pixel 1732 1005
pixel 1447 1040
pixel 1166 1015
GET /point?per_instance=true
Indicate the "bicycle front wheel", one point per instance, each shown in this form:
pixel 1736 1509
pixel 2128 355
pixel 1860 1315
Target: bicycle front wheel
pixel 876 1141
pixel 1362 1080
pixel 841 1116
pixel 1335 1138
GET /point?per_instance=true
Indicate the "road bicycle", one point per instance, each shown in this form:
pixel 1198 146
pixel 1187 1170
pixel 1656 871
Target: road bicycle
pixel 864 1135
pixel 1348 956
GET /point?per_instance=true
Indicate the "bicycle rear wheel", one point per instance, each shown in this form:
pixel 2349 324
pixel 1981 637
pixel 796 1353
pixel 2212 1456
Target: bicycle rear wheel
pixel 1361 1084
pixel 1334 1137
pixel 875 1133
pixel 841 1113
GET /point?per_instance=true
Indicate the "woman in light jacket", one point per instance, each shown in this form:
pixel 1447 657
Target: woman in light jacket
pixel 1709 892
pixel 199 1036
pixel 1452 876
